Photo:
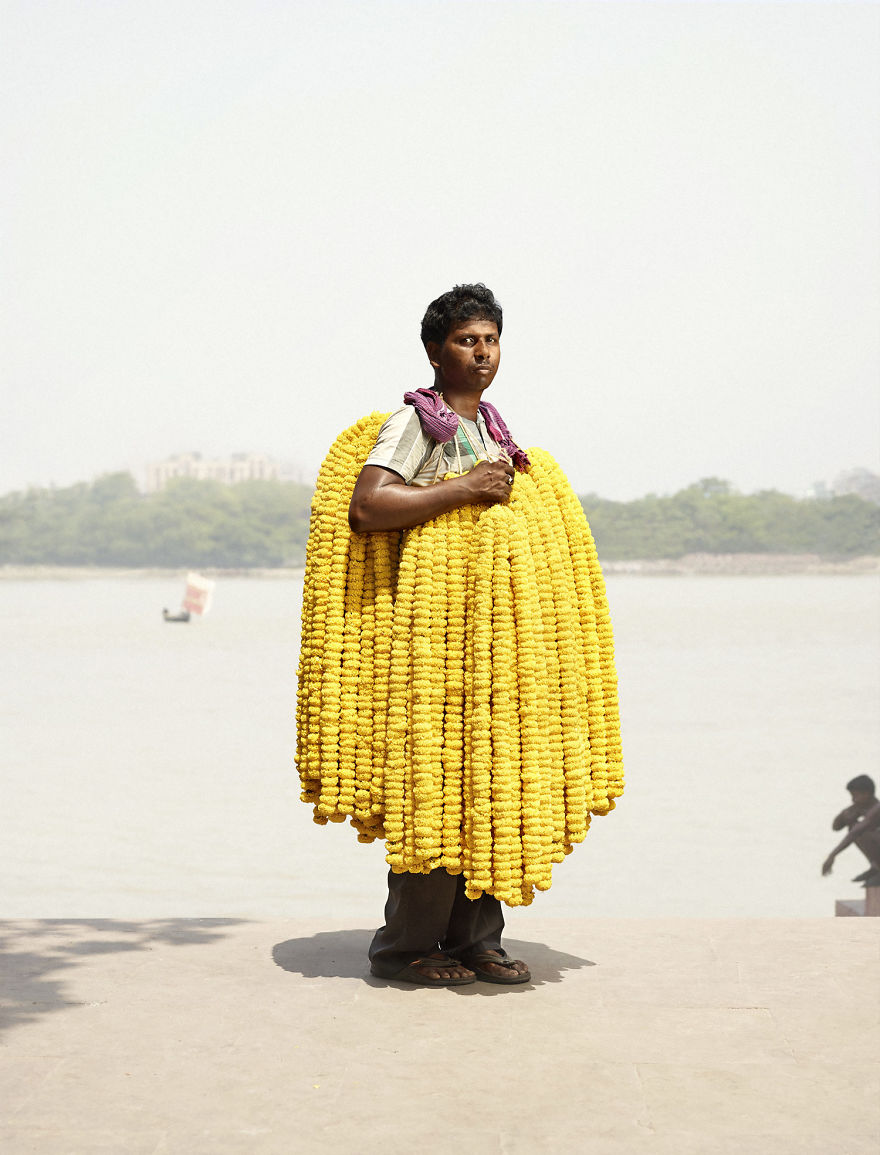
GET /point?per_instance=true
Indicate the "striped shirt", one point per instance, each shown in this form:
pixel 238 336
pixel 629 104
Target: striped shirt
pixel 404 447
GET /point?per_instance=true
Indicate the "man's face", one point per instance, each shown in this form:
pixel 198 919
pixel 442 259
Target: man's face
pixel 860 797
pixel 468 359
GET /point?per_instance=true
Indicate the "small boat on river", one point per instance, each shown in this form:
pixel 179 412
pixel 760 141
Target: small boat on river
pixel 196 599
pixel 183 616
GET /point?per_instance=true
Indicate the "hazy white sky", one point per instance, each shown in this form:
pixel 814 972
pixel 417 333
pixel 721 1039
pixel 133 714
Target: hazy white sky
pixel 223 220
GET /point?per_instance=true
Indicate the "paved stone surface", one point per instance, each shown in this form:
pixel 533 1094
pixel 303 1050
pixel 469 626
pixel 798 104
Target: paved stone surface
pixel 665 1037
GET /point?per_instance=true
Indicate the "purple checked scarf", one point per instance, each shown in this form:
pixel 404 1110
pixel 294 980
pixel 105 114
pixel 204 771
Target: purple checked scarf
pixel 441 422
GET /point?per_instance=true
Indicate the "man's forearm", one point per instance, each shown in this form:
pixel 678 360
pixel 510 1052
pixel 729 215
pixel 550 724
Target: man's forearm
pixel 403 506
pixel 846 818
pixel 869 822
pixel 843 844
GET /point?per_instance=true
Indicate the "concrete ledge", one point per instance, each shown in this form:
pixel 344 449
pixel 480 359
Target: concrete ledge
pixel 636 1036
pixel 847 907
pixel 869 905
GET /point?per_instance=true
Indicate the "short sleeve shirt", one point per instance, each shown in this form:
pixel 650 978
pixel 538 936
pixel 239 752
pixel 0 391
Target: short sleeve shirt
pixel 404 447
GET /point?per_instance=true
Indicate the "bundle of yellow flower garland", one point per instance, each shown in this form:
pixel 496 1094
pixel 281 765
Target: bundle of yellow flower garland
pixel 457 691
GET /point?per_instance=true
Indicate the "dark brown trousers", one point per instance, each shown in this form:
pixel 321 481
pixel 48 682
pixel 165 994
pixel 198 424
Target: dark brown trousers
pixel 429 912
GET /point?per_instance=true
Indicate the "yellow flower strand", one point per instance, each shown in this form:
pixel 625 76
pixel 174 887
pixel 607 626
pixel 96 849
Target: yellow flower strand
pixel 453 577
pixel 478 766
pixel 363 774
pixel 399 856
pixel 507 871
pixel 427 738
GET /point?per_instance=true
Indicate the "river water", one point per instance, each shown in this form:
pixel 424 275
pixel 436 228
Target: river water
pixel 147 768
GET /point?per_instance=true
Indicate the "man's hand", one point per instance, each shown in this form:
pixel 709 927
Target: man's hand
pixel 489 481
pixel 827 864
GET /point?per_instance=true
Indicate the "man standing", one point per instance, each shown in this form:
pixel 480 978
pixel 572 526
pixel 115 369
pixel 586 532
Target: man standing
pixel 433 934
pixel 457 688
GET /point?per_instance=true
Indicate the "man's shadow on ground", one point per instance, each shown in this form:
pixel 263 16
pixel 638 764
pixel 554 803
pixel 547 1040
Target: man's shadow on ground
pixel 342 954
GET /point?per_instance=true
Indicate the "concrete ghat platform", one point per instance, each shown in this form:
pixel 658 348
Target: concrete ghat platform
pixel 685 1037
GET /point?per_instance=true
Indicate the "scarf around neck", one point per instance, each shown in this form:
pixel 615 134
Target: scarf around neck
pixel 441 422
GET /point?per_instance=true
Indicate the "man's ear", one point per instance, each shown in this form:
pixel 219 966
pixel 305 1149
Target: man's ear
pixel 432 348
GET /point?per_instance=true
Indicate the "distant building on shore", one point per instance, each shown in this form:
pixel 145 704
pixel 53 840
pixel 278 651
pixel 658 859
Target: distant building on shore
pixel 227 470
pixel 860 482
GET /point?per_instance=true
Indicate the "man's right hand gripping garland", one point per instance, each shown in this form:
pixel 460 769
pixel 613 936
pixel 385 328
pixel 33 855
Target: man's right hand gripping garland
pixel 457 689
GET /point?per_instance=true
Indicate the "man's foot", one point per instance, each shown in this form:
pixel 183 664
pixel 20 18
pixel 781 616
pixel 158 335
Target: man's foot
pixel 433 970
pixel 492 967
pixel 451 969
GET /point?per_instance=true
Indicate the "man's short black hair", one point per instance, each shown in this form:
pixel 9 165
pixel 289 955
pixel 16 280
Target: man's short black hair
pixel 463 303
pixel 863 783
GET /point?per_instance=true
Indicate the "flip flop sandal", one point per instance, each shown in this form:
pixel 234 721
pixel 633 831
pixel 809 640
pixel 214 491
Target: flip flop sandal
pixel 485 976
pixel 410 974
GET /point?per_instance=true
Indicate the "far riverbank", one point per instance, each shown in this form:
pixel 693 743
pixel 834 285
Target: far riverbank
pixel 696 564
pixel 745 565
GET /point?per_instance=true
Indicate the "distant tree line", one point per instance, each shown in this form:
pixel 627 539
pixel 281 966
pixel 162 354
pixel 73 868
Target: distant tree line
pixel 265 524
pixel 189 523
pixel 711 517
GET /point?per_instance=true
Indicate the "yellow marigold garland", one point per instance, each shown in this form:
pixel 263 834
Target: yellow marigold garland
pixel 457 690
pixel 455 579
pixel 506 784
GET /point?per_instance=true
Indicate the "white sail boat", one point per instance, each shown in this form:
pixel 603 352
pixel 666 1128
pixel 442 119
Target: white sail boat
pixel 196 598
